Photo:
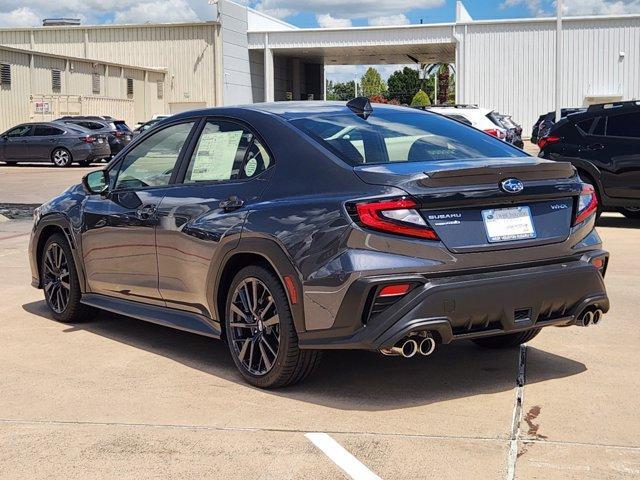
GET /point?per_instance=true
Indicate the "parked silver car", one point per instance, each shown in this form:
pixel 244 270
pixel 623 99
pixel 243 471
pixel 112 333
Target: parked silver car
pixel 52 142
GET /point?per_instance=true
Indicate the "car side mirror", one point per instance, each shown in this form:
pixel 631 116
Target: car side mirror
pixel 96 183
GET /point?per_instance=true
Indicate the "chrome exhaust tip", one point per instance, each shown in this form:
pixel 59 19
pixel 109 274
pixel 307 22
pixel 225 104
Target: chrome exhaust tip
pixel 409 348
pixel 427 346
pixel 585 319
pixel 597 316
pixel 406 348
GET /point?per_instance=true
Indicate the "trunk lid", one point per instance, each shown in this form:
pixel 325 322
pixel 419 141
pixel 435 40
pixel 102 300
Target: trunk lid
pixel 464 203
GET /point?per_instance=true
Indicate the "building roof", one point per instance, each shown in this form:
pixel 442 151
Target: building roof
pixel 112 25
pixel 82 59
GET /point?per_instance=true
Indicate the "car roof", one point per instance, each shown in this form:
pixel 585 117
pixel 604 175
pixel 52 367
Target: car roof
pixel 288 110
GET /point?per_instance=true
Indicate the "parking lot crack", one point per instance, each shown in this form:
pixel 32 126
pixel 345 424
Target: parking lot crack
pixel 516 419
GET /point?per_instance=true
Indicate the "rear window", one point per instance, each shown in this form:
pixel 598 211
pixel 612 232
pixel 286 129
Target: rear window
pixel 401 137
pixel 121 127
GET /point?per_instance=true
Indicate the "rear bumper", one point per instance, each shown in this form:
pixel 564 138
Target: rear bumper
pixel 468 306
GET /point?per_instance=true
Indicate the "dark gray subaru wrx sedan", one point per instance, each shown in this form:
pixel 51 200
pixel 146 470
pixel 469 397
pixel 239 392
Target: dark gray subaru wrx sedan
pixel 290 228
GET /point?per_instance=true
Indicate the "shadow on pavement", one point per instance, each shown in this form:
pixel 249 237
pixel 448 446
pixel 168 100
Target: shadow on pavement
pixel 345 380
pixel 617 222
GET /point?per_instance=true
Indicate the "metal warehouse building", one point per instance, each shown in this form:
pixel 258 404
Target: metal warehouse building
pixel 245 56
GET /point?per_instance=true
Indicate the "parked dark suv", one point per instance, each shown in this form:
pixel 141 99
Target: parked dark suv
pixel 603 143
pixel 116 131
pixel 292 227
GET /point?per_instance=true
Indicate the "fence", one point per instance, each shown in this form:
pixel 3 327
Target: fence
pixel 44 108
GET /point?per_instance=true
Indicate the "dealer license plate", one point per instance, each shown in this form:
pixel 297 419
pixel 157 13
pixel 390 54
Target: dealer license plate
pixel 100 140
pixel 508 224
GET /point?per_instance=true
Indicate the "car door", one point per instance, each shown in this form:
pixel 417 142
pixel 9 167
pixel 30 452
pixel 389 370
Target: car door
pixel 621 149
pixel 201 219
pixel 118 241
pixel 15 142
pixel 43 141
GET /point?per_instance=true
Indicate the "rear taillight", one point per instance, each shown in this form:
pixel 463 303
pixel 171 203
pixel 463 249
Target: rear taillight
pixel 397 216
pixel 544 141
pixel 587 204
pixel 88 139
pixel 495 133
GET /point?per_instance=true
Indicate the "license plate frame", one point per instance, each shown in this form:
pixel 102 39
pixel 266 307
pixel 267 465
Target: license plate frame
pixel 513 224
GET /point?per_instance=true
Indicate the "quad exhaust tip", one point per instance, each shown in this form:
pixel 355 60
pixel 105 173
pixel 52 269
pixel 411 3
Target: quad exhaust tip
pixel 590 317
pixel 409 347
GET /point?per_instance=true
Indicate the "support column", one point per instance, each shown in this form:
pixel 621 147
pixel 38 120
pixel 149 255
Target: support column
pixel 295 78
pixel 269 93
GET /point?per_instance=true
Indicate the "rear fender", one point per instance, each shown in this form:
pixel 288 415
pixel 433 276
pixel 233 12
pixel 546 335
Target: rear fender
pixel 275 255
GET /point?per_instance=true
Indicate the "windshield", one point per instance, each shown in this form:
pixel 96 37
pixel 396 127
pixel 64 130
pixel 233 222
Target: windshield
pixel 410 136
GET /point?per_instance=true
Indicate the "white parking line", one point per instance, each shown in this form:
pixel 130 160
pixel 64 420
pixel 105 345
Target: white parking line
pixel 343 459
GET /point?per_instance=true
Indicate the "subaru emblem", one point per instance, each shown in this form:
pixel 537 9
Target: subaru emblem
pixel 512 185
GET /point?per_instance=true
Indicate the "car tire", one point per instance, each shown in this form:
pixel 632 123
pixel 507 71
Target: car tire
pixel 85 163
pixel 59 280
pixel 61 157
pixel 507 341
pixel 631 213
pixel 260 333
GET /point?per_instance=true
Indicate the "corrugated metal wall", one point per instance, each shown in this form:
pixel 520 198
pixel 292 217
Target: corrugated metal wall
pixel 186 51
pixel 29 85
pixel 511 66
pixel 14 100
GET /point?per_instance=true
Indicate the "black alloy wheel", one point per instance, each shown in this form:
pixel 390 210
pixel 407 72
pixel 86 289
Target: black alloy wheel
pixel 59 279
pixel 56 282
pixel 260 331
pixel 255 326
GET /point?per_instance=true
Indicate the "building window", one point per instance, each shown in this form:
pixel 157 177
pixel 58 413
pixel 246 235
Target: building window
pixel 56 81
pixel 95 83
pixel 130 86
pixel 160 90
pixel 5 74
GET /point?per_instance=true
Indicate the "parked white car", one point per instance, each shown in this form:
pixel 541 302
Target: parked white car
pixel 476 117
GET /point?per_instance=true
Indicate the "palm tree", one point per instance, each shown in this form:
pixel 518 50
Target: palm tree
pixel 442 73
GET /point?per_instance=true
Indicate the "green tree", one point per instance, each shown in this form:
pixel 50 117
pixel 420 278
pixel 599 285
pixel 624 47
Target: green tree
pixel 442 72
pixel 372 83
pixel 340 91
pixel 420 99
pixel 403 85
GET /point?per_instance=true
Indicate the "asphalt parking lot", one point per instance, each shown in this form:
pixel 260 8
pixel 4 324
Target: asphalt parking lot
pixel 119 398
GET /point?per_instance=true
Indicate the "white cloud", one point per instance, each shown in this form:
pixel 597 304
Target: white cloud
pixel 578 7
pixel 534 6
pixel 327 21
pixel 400 19
pixel 600 7
pixel 345 9
pixel 20 17
pixel 157 11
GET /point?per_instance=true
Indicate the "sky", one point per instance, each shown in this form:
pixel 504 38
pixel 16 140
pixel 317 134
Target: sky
pixel 307 13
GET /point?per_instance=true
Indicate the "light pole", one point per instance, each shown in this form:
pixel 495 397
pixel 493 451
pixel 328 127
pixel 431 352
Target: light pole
pixel 558 57
pixel 355 84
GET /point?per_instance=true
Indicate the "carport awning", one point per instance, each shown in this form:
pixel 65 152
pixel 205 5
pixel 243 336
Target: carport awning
pixel 367 45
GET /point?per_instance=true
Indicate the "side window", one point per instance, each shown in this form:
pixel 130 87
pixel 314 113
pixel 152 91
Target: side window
pixel 625 125
pixel 601 124
pixel 46 131
pixel 21 131
pixel 585 125
pixel 151 163
pixel 226 151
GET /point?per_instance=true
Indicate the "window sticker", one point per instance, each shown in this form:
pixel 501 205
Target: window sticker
pixel 215 156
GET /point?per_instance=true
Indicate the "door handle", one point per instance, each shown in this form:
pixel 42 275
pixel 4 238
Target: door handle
pixel 146 212
pixel 596 146
pixel 231 203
